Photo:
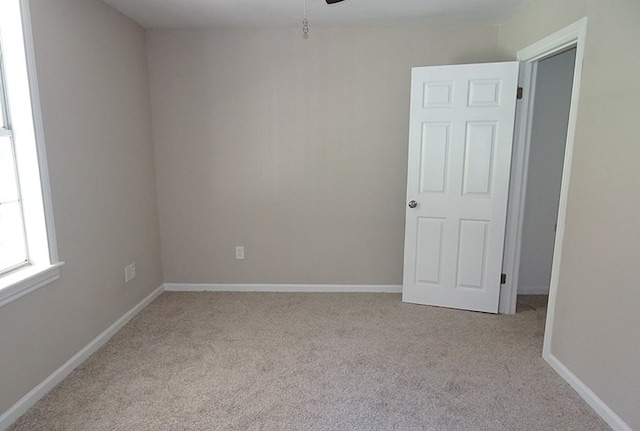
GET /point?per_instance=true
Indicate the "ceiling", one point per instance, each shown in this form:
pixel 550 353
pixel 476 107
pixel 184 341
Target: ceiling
pixel 289 13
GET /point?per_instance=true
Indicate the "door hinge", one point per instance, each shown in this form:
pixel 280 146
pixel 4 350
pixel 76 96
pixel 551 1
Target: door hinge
pixel 519 93
pixel 503 278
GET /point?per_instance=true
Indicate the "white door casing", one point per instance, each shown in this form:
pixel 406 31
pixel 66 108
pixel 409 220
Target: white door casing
pixel 460 142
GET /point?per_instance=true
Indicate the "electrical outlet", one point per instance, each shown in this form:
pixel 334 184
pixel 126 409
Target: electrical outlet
pixel 239 252
pixel 129 272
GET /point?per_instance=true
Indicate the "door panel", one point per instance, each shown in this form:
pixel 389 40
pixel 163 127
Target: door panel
pixel 472 253
pixel 435 146
pixel 478 158
pixel 460 139
pixel 430 234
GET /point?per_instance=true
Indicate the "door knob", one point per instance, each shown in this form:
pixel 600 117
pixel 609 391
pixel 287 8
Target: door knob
pixel 413 204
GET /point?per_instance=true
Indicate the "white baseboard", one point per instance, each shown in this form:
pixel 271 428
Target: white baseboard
pixel 533 290
pixel 609 416
pixel 26 402
pixel 309 288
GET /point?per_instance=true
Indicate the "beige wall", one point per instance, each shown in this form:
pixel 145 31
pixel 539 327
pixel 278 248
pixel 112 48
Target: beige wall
pixel 295 149
pixel 95 105
pixel 597 325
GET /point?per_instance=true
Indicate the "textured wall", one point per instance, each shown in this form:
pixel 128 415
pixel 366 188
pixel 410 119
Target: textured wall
pixel 95 105
pixel 597 324
pixel 295 149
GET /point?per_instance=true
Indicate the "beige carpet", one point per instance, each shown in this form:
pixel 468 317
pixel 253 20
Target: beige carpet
pixel 271 361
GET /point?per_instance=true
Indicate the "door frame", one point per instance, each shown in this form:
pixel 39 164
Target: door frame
pixel 574 35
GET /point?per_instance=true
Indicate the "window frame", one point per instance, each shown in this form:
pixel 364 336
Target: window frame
pixel 42 266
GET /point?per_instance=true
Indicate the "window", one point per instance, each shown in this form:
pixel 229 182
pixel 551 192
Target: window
pixel 13 246
pixel 28 256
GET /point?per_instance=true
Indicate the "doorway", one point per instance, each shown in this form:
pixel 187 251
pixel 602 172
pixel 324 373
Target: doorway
pixel 571 38
pixel 549 122
pixel 439 93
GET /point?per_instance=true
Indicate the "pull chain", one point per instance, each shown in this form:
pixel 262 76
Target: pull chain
pixel 305 21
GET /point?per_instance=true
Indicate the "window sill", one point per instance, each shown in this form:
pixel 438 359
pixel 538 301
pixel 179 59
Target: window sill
pixel 26 280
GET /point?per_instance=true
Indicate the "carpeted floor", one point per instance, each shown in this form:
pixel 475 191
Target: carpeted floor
pixel 275 361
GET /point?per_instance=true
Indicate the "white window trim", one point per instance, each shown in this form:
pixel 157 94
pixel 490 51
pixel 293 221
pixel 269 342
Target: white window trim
pixel 25 280
pixel 40 272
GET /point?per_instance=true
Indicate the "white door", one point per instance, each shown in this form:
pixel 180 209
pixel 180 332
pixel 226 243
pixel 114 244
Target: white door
pixel 460 140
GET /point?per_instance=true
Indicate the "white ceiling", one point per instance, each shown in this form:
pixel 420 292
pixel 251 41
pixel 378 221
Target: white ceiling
pixel 289 13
